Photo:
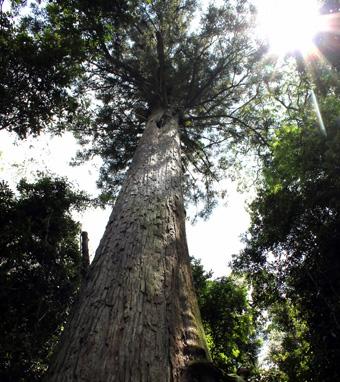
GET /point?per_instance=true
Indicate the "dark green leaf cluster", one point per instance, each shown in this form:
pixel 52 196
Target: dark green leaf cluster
pixel 40 265
pixel 38 65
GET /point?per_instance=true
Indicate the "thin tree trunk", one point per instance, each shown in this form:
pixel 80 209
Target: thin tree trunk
pixel 85 255
pixel 137 318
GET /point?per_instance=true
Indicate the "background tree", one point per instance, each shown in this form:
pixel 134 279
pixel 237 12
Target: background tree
pixel 289 343
pixel 228 319
pixel 40 264
pixel 292 249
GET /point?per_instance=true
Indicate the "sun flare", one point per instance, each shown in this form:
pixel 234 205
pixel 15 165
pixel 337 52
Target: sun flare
pixel 288 25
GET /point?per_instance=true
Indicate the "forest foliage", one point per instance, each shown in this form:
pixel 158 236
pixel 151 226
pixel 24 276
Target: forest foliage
pixel 228 319
pixel 291 254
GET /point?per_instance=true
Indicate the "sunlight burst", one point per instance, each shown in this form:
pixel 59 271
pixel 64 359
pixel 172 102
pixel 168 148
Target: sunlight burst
pixel 288 25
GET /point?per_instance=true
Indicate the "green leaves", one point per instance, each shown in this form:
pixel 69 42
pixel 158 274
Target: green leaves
pixel 40 265
pixel 38 65
pixel 227 318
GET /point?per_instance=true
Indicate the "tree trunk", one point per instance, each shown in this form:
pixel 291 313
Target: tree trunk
pixel 137 317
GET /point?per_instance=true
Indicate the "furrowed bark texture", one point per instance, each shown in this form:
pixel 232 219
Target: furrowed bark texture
pixel 137 317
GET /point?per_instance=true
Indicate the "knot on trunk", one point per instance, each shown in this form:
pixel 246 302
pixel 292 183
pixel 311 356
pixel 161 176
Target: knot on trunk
pixel 164 119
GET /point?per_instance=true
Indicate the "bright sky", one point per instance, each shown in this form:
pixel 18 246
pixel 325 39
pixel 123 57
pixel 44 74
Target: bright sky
pixel 214 241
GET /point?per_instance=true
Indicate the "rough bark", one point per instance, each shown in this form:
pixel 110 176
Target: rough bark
pixel 137 318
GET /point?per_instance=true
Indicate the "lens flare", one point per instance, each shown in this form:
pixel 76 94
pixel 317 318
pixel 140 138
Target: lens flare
pixel 318 114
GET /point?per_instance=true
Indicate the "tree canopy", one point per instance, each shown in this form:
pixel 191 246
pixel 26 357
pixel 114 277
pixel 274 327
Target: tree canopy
pixel 99 68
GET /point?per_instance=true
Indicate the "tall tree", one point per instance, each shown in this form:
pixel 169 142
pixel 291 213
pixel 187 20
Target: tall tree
pixel 185 91
pixel 40 265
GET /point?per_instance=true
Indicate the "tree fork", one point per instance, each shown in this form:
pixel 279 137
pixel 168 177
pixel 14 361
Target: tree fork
pixel 137 317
